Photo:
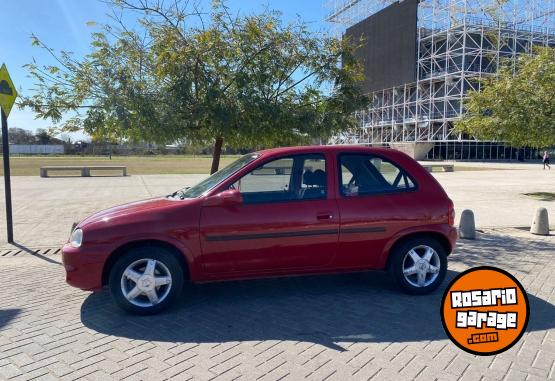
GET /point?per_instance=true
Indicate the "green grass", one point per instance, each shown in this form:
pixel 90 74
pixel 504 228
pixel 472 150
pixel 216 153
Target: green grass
pixel 136 165
pixel 542 196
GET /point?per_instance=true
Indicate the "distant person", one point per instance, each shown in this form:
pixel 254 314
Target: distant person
pixel 546 160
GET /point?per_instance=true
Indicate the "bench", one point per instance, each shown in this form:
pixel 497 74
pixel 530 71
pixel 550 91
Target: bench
pixel 444 167
pixel 85 170
pixel 272 171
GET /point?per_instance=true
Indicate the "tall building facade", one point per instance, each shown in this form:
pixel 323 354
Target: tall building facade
pixel 422 57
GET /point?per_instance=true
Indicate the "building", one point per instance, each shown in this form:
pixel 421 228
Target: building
pixel 422 57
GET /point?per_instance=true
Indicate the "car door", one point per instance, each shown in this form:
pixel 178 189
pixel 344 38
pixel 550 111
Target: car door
pixel 286 220
pixel 376 201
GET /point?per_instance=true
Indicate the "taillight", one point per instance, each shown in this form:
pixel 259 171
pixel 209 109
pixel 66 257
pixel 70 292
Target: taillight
pixel 451 213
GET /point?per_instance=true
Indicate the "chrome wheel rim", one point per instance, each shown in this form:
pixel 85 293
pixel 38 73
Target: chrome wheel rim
pixel 421 266
pixel 146 282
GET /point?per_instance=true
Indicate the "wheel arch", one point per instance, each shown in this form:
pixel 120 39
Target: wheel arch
pixel 439 237
pixel 116 254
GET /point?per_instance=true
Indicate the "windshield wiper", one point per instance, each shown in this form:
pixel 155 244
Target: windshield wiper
pixel 180 193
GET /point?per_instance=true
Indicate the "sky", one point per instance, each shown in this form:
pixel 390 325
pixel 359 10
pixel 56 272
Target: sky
pixel 62 25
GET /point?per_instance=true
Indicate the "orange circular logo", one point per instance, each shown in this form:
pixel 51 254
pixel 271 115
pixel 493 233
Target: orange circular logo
pixel 485 310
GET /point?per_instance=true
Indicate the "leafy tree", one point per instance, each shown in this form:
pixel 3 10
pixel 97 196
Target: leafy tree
pixel 18 135
pixel 43 137
pixel 209 78
pixel 518 105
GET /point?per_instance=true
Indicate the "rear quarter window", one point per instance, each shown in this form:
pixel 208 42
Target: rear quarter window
pixel 365 174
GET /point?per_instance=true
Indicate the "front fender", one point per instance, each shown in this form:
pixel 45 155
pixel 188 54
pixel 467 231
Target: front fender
pixel 188 252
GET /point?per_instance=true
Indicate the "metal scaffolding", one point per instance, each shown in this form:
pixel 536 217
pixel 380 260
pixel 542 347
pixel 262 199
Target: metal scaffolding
pixel 459 42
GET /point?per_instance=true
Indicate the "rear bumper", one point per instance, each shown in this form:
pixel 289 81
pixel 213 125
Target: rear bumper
pixel 83 267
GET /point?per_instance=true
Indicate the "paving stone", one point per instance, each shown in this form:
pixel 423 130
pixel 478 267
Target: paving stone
pixel 340 327
pixel 9 370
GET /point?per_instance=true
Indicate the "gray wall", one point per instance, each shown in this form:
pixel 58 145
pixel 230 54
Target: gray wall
pixel 36 149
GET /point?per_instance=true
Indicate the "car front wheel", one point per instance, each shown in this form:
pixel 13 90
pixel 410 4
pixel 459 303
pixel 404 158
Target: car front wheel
pixel 146 280
pixel 419 265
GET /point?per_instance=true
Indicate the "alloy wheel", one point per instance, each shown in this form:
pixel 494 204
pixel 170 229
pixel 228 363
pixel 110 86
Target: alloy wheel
pixel 146 282
pixel 421 266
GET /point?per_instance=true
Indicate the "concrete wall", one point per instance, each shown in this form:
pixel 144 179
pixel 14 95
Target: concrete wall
pixel 417 151
pixel 36 149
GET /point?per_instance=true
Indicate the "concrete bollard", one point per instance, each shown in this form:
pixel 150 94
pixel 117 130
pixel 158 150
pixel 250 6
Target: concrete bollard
pixel 540 225
pixel 467 227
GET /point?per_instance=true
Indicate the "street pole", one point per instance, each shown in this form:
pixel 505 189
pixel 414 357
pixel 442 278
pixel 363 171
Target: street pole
pixel 7 182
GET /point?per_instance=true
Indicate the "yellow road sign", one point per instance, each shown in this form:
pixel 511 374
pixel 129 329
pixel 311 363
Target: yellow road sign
pixel 7 90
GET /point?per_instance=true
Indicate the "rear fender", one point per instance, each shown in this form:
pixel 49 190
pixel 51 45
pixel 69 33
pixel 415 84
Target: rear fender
pixel 445 233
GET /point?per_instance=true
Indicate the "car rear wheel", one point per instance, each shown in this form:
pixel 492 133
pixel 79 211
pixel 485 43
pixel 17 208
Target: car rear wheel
pixel 146 280
pixel 419 265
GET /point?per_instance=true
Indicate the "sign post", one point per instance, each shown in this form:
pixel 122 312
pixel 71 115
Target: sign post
pixel 7 99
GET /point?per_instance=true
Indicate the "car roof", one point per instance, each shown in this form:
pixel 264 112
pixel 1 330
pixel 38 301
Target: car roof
pixel 318 148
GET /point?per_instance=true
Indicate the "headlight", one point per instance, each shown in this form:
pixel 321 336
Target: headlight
pixel 76 238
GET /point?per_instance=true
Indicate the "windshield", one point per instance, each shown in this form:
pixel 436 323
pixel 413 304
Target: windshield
pixel 215 179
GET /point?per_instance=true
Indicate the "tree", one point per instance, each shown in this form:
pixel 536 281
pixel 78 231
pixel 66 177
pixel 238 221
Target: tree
pixel 209 78
pixel 43 137
pixel 20 136
pixel 518 105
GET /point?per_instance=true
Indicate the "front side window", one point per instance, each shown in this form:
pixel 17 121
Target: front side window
pixel 314 179
pixel 368 174
pixel 300 177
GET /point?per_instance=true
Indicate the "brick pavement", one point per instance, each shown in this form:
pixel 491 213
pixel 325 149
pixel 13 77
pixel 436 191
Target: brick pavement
pixel 341 327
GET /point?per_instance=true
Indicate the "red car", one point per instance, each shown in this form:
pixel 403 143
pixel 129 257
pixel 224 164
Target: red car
pixel 285 211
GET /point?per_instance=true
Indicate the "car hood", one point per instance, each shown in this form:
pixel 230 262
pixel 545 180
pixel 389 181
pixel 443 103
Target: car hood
pixel 130 208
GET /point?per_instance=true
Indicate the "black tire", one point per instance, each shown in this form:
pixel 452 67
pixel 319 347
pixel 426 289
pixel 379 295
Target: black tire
pixel 398 263
pixel 165 261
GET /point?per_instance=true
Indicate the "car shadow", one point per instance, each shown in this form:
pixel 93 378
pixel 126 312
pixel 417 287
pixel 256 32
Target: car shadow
pixel 8 315
pixel 327 310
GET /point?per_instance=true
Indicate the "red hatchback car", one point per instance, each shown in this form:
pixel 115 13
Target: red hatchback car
pixel 285 211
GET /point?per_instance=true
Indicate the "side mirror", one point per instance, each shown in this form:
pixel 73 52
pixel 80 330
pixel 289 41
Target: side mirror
pixel 228 197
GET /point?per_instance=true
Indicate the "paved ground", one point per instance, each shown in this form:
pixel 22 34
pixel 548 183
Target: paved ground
pixel 496 192
pixel 45 208
pixel 332 327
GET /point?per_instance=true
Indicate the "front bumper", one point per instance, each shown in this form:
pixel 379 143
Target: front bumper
pixel 83 267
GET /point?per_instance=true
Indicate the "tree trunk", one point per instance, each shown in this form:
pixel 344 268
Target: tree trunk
pixel 216 155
